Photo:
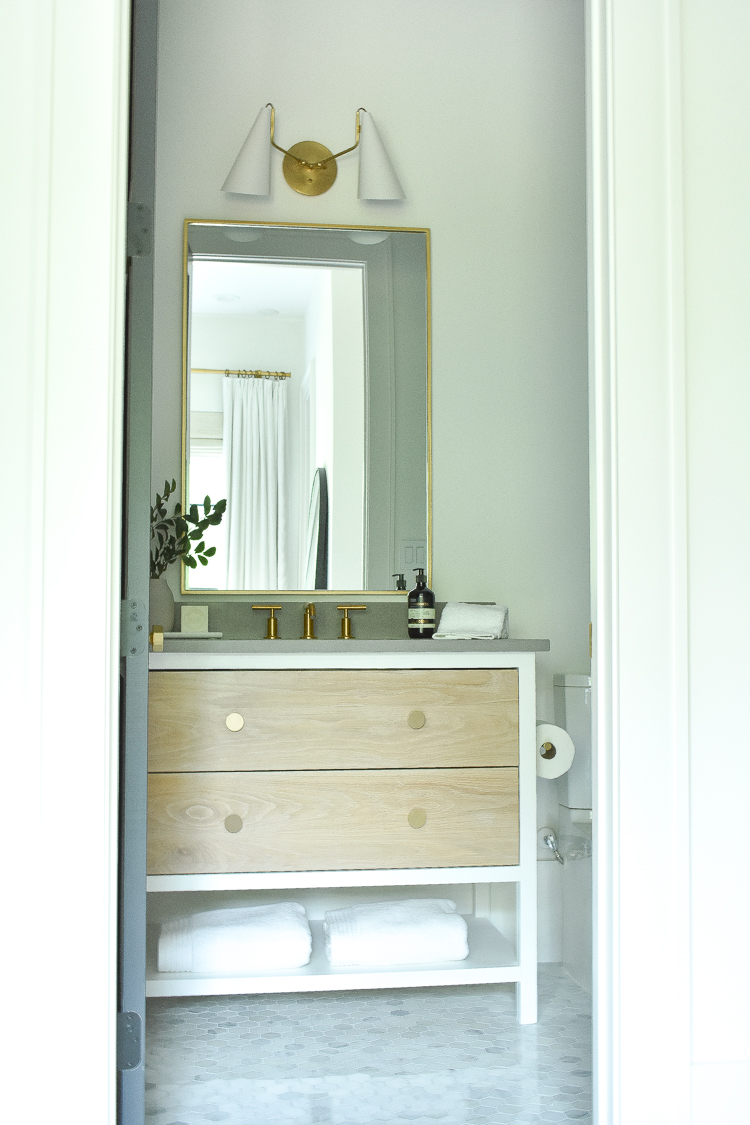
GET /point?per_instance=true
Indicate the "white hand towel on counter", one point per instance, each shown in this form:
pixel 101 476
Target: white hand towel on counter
pixel 472 622
pixel 237 939
pixel 415 931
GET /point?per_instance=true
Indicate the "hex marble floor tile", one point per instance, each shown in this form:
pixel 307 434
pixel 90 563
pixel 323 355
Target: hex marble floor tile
pixel 424 1055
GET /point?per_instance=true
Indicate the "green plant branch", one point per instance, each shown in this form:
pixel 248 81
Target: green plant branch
pixel 181 535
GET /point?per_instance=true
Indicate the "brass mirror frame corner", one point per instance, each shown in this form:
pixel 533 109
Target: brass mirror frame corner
pixel 185 374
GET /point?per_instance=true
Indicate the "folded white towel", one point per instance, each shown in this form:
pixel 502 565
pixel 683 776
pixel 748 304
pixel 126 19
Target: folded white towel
pixel 237 939
pixel 415 931
pixel 471 621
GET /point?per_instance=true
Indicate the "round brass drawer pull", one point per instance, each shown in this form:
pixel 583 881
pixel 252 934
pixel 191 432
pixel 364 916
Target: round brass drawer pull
pixel 417 818
pixel 235 722
pixel 416 719
pixel 233 823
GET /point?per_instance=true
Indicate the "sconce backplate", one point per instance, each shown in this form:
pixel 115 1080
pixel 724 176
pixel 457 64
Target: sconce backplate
pixel 309 180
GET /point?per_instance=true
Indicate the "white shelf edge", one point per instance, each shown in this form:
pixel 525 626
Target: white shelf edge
pixel 491 960
pixel 292 880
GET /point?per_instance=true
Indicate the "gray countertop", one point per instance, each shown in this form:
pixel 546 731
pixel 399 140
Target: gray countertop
pixel 372 646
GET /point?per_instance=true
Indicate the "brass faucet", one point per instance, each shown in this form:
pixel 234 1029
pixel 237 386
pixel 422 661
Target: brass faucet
pixel 346 625
pixel 308 631
pixel 272 629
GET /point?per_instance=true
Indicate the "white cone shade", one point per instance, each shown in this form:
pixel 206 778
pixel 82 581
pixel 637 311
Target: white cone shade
pixel 251 171
pixel 377 179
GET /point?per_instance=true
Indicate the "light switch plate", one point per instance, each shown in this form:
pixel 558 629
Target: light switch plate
pixel 194 619
pixel 413 554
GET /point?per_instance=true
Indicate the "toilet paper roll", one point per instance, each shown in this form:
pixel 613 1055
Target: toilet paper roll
pixel 554 750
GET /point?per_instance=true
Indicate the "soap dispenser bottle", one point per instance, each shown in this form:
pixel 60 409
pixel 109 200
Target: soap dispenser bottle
pixel 421 608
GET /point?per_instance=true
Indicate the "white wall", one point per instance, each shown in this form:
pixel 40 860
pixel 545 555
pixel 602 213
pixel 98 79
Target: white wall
pixel 319 364
pixel 275 343
pixel 501 82
pixel 549 907
pixel 346 479
pixel 717 257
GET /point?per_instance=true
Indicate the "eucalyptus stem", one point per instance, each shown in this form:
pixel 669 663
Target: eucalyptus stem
pixel 181 535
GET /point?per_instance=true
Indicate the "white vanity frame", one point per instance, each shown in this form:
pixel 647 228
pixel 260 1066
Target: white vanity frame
pixel 503 926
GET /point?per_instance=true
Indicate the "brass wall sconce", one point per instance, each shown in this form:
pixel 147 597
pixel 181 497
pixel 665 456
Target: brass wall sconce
pixel 309 167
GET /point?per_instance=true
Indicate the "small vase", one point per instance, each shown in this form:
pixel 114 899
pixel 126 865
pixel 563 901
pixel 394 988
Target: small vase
pixel 160 604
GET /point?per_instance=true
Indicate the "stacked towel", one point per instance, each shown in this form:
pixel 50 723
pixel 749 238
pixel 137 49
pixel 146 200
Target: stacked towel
pixel 416 931
pixel 243 939
pixel 473 622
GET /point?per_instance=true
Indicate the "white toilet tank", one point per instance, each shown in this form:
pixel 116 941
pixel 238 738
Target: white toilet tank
pixel 573 712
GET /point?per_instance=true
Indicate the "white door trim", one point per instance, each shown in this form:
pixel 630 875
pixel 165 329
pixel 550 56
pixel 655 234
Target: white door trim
pixel 63 102
pixel 64 93
pixel 639 541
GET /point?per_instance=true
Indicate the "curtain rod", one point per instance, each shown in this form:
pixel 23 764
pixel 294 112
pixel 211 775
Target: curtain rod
pixel 242 374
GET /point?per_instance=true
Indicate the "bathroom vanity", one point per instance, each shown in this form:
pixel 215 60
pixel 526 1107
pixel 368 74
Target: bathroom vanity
pixel 333 773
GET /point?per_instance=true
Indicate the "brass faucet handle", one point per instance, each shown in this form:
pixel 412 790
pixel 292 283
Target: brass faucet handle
pixel 346 625
pixel 272 631
pixel 156 637
pixel 308 631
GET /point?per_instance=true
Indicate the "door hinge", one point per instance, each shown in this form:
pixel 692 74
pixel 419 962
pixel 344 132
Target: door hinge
pixel 128 1040
pixel 140 227
pixel 133 627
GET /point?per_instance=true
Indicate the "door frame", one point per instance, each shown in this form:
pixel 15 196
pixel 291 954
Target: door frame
pixel 73 58
pixel 639 562
pixel 64 110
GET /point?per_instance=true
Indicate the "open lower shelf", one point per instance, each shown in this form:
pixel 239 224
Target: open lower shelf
pixel 491 960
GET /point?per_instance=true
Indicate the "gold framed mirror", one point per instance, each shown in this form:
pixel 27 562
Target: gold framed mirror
pixel 306 403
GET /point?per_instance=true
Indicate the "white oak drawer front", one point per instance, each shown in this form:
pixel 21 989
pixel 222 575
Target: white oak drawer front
pixel 340 719
pixel 332 820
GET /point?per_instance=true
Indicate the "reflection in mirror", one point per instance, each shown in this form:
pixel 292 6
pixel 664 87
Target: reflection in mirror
pixel 306 404
pixel 316 570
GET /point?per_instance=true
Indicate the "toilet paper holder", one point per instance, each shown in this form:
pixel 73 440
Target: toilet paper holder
pixel 555 750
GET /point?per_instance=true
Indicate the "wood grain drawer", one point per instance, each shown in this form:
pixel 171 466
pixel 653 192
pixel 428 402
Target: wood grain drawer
pixel 340 719
pixel 331 820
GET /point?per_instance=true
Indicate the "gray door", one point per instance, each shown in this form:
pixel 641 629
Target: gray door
pixel 135 579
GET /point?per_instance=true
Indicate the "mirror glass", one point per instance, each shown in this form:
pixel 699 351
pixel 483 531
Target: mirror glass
pixel 306 404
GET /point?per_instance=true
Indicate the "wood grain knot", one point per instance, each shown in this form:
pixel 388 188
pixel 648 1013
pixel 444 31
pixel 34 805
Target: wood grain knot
pixel 199 812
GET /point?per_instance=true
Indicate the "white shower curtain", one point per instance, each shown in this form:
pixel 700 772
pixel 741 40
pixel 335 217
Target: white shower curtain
pixel 255 422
